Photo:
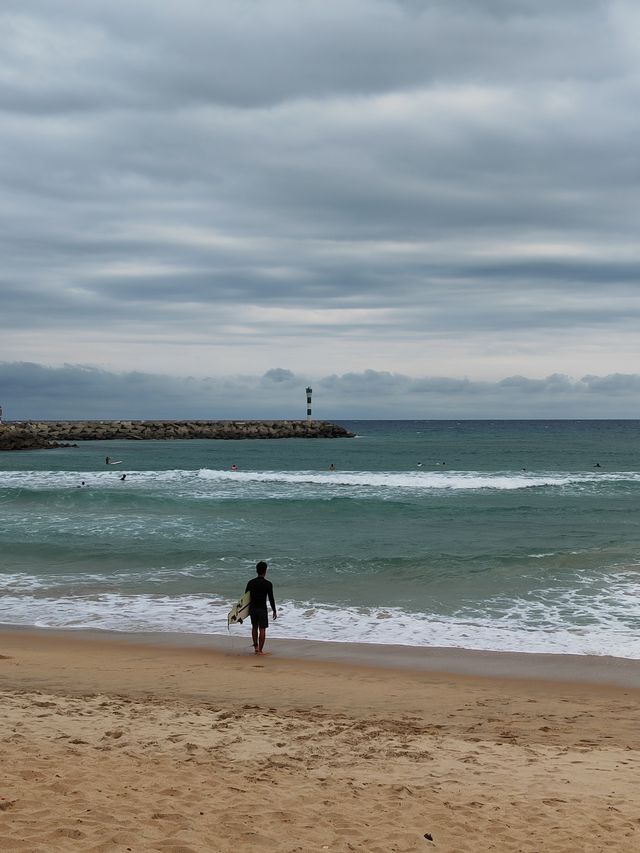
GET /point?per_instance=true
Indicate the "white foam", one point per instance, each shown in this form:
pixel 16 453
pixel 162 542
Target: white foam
pixel 417 480
pixel 35 480
pixel 198 483
pixel 576 621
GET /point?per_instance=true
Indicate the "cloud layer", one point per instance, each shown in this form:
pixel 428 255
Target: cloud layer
pixel 76 392
pixel 411 187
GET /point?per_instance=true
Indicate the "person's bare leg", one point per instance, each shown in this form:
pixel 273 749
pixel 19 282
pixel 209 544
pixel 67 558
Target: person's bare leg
pixel 254 636
pixel 261 638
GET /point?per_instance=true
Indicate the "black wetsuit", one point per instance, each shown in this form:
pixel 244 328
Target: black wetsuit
pixel 260 589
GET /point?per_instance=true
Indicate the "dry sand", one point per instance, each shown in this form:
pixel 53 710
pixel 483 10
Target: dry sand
pixel 116 746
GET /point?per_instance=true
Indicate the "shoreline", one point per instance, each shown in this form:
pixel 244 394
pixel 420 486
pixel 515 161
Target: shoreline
pixel 437 661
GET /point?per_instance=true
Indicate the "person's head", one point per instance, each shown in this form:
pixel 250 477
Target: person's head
pixel 261 568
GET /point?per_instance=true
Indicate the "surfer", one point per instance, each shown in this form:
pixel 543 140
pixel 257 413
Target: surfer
pixel 332 467
pixel 123 478
pixel 234 467
pixel 107 461
pixel 260 589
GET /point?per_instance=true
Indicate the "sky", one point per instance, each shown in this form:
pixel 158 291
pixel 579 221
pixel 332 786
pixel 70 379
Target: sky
pixel 422 208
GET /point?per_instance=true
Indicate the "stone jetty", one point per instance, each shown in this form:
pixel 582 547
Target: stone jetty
pixel 31 435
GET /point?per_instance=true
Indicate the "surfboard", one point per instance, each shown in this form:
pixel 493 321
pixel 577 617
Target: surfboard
pixel 118 462
pixel 239 611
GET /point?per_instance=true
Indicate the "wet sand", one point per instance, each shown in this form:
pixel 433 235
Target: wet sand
pixel 121 742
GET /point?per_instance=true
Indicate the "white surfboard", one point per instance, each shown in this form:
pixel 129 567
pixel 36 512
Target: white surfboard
pixel 117 462
pixel 239 611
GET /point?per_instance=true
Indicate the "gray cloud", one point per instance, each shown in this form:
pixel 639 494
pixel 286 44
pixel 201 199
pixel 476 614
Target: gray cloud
pixel 401 185
pixel 245 53
pixel 33 391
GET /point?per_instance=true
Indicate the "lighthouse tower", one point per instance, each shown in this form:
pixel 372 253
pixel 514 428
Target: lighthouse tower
pixel 309 405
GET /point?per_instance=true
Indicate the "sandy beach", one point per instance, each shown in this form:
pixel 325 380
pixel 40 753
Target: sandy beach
pixel 116 744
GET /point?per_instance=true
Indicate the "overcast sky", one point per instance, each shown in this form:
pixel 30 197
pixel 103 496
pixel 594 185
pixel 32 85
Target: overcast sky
pixel 422 207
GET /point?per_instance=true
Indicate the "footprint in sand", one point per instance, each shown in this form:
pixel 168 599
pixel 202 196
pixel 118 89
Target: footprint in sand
pixel 69 833
pixel 115 734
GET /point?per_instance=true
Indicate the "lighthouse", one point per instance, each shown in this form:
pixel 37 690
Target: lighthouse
pixel 308 405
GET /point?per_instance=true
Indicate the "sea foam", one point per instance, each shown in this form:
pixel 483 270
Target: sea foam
pixel 532 624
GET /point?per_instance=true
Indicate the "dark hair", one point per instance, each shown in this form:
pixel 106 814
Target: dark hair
pixel 261 567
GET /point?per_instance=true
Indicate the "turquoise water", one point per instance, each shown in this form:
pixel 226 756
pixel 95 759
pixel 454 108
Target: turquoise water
pixel 494 535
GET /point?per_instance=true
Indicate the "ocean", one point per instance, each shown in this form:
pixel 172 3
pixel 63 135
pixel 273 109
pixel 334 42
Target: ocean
pixel 499 535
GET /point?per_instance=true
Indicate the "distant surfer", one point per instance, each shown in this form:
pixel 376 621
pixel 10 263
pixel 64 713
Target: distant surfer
pixel 260 589
pixel 107 460
pixel 234 467
pixel 332 467
pixel 597 465
pixel 123 478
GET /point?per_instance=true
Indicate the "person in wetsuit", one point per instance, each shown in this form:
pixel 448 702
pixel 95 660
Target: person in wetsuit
pixel 260 589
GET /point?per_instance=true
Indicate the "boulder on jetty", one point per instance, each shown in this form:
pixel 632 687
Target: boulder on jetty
pixel 42 434
pixel 18 437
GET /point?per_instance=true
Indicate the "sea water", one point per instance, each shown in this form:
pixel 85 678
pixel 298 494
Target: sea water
pixel 503 535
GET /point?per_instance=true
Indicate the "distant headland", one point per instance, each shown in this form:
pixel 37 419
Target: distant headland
pixel 31 435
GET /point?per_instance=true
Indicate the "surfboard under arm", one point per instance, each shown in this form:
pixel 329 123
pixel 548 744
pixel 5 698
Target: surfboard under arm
pixel 240 611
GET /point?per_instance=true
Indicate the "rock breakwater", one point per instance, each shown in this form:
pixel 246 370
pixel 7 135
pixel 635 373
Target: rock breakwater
pixel 42 434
